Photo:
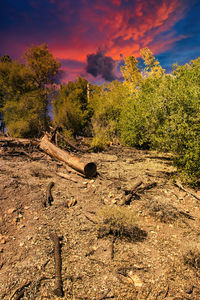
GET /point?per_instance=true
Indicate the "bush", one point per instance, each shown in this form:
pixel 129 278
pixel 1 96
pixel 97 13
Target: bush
pixel 164 114
pixel 192 256
pixel 106 104
pixel 119 222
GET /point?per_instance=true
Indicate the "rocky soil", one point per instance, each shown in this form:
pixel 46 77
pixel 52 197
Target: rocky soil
pixel 162 261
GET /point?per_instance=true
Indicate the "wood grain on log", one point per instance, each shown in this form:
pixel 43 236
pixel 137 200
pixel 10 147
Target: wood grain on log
pixel 88 169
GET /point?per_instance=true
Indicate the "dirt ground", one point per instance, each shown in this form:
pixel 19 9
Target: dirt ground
pixel 161 263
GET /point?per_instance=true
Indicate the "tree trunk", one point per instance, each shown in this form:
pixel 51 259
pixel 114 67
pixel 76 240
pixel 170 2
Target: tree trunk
pixel 88 169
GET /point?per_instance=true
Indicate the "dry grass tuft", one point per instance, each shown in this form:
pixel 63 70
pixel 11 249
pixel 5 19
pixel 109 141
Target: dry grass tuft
pixel 165 213
pixel 119 222
pixel 39 170
pixel 192 256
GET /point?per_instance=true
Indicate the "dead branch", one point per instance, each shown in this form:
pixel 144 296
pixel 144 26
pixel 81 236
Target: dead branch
pixel 88 169
pixel 69 143
pixel 49 197
pixel 58 291
pixel 131 193
pixel 17 142
pixel 66 176
pixel 113 247
pixel 90 219
pixel 104 295
pixel 147 187
pixel 183 189
pixel 19 293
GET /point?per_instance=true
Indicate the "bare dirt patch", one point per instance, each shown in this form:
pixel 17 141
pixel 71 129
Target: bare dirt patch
pixel 163 264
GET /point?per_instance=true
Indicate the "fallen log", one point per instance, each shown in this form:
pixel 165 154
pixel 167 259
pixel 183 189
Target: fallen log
pixel 88 169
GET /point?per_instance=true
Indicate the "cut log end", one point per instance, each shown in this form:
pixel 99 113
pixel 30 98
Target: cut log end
pixel 90 169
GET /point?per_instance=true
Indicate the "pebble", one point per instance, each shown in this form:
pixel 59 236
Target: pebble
pixel 2 241
pixel 135 279
pixel 21 226
pixel 11 210
pixel 21 244
pixel 36 218
pixel 85 182
pixel 26 207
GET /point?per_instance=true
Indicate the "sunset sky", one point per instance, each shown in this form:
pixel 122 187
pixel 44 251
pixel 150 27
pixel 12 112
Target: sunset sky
pixel 91 37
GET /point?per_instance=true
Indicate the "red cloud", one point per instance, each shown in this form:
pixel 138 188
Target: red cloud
pixel 118 26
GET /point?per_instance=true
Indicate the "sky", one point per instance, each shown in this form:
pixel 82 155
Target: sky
pixel 91 37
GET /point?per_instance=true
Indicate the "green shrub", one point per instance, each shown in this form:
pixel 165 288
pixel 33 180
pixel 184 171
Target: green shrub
pixel 106 104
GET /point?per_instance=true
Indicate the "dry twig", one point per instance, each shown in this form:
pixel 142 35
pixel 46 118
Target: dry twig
pixel 58 265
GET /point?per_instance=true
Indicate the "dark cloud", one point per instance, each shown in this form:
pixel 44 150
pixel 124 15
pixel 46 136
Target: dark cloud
pixel 100 64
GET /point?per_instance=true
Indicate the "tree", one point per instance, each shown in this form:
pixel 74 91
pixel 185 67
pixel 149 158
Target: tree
pixel 107 102
pixel 45 70
pixel 131 73
pixel 153 67
pixel 70 107
pixel 25 90
pixel 15 80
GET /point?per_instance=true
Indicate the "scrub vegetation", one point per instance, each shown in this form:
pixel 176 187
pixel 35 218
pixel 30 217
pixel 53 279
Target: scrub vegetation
pixel 148 110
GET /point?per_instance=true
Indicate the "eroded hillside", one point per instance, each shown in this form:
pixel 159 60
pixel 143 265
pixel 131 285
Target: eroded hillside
pixel 159 259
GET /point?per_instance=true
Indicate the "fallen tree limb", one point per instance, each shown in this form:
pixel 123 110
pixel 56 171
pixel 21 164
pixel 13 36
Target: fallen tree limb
pixel 19 293
pixel 133 192
pixel 66 176
pixel 58 291
pixel 183 189
pixel 88 169
pixel 17 142
pixel 69 143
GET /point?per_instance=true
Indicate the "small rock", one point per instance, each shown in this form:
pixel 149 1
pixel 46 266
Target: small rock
pixel 134 278
pixel 2 240
pixel 21 226
pixel 11 210
pixel 92 181
pixel 71 202
pixel 21 244
pixel 15 220
pixel 36 218
pixel 85 182
pixel 26 207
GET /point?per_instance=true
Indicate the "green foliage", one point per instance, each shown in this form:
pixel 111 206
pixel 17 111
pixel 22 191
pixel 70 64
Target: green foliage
pixel 106 103
pixel 131 73
pixel 43 65
pixel 25 90
pixel 165 114
pixel 71 108
pixel 140 116
pixel 22 115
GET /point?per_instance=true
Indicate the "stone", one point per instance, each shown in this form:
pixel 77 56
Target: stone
pixel 11 210
pixel 135 279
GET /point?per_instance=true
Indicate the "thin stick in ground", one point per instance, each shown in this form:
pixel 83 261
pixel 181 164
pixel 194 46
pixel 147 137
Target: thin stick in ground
pixel 58 291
